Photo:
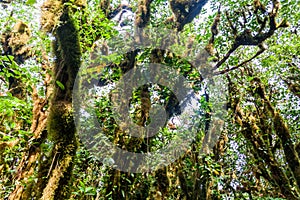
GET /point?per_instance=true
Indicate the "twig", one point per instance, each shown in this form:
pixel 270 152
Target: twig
pixel 241 64
pixel 53 160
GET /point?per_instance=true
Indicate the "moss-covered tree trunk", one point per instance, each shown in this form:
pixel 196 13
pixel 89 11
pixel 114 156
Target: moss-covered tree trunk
pixel 17 47
pixel 55 172
pixel 261 139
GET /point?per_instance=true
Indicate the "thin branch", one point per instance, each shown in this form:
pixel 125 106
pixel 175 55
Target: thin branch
pixel 245 38
pixel 241 64
pixel 225 57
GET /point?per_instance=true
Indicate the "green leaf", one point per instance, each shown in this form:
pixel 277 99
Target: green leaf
pixel 60 85
pixel 30 2
pixel 88 189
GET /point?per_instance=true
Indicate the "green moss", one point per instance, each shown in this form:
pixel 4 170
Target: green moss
pixel 68 52
pixel 60 124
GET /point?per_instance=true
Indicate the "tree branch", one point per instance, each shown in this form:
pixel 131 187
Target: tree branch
pixel 241 64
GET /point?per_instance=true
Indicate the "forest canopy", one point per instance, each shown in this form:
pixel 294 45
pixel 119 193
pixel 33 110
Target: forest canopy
pixel 149 99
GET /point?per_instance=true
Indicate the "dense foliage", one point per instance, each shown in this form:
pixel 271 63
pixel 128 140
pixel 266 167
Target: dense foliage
pixel 251 54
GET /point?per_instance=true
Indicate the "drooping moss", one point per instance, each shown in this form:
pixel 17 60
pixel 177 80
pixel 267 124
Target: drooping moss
pixel 51 10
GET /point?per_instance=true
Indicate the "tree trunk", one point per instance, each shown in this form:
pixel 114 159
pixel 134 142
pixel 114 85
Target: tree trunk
pixel 55 172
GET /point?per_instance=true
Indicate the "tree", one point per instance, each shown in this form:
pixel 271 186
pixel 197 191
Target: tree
pixel 252 47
